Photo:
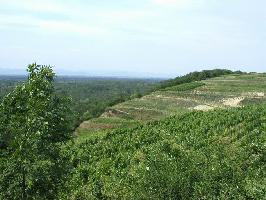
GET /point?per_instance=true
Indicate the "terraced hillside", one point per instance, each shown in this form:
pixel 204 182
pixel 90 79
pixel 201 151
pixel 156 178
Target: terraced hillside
pixel 218 154
pixel 179 152
pixel 221 92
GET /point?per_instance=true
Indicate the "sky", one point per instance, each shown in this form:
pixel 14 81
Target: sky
pixel 138 38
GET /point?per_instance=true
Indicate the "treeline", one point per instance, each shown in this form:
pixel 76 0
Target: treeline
pixel 196 76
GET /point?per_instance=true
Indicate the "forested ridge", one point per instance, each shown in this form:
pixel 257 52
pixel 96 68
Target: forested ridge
pixel 219 154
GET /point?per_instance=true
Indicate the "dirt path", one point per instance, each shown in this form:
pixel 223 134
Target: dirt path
pixel 203 107
pixel 233 102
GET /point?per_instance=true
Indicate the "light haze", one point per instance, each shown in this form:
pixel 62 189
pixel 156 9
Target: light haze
pixel 142 38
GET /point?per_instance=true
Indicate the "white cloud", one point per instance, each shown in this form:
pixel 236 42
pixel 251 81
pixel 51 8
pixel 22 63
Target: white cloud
pixel 34 5
pixel 120 15
pixel 180 4
pixel 70 27
pixel 51 26
pixel 170 2
pixel 80 19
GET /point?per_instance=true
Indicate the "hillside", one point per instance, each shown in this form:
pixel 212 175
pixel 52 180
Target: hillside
pixel 194 140
pixel 198 155
pixel 198 140
pixel 232 90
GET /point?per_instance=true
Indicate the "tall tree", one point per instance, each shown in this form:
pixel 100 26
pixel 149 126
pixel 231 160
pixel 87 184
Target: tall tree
pixel 33 126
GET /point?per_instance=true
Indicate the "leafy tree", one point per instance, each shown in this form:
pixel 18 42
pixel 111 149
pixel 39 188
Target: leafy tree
pixel 33 126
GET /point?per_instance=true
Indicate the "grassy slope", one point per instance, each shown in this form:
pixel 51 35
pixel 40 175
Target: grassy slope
pixel 199 155
pixel 220 92
pixel 187 154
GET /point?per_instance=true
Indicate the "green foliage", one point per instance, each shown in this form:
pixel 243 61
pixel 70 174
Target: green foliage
pixel 33 125
pixel 198 155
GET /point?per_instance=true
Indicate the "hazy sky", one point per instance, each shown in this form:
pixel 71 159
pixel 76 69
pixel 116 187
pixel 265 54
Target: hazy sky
pixel 133 37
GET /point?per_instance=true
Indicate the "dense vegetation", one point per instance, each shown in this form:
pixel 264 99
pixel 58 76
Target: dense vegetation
pixel 199 155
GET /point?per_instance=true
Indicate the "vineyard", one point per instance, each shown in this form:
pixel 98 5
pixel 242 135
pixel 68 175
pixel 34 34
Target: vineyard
pixel 232 90
pixel 166 146
pixel 198 155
